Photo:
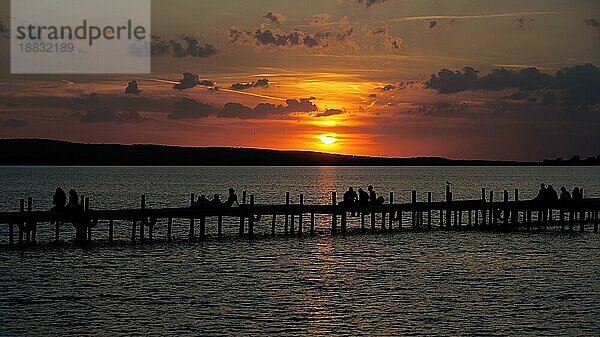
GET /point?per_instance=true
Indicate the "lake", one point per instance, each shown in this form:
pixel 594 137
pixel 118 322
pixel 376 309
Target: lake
pixel 429 283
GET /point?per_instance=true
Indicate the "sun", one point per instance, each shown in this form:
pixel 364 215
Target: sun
pixel 327 140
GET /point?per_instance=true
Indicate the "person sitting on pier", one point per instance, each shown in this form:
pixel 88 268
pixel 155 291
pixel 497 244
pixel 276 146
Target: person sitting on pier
pixel 372 195
pixel 551 194
pixel 202 201
pixel 542 195
pixel 577 194
pixel 216 201
pixel 350 199
pixel 363 198
pixel 59 200
pixel 564 194
pixel 231 199
pixel 73 200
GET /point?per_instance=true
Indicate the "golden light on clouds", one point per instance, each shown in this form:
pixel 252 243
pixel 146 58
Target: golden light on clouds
pixel 327 139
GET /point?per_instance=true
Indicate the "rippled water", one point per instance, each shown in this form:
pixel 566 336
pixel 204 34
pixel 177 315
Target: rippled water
pixel 435 283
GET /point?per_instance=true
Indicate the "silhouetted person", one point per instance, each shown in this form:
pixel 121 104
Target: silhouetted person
pixel 216 201
pixel 551 194
pixel 350 199
pixel 372 195
pixel 202 201
pixel 59 200
pixel 542 194
pixel 577 194
pixel 73 200
pixel 564 194
pixel 363 198
pixel 231 199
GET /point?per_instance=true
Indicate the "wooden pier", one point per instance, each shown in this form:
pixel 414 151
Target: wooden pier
pixel 484 214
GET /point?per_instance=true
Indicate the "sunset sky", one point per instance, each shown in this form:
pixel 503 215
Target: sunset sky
pixel 342 76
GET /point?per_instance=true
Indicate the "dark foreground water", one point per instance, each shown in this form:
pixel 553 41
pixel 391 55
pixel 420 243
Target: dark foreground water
pixel 436 283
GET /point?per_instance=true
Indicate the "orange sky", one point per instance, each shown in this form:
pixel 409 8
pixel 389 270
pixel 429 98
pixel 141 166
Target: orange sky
pixel 361 50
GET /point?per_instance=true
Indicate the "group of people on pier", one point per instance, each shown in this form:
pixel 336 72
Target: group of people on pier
pixel 363 198
pixel 61 204
pixel 549 194
pixel 216 201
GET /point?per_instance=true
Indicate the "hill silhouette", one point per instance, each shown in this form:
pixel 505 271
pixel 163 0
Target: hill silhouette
pixel 61 153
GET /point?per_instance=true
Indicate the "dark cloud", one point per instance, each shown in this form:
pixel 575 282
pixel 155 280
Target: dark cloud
pixel 370 3
pixel 393 43
pixel 372 95
pixel 377 31
pixel 320 19
pixel 388 87
pixel 329 112
pixel 266 37
pixel 185 46
pixel 444 109
pixel 274 17
pixel 188 108
pixel 262 83
pixel 190 80
pixel 99 111
pixel 302 105
pixel 593 23
pixel 432 24
pixel 12 123
pixel 578 85
pixel 132 88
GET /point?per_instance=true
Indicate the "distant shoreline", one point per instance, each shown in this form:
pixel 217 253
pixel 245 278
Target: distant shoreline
pixel 45 152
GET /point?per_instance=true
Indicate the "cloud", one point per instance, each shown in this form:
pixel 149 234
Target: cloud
pixel 578 85
pixel 274 17
pixel 190 80
pixel 12 123
pixel 432 24
pixel 593 23
pixel 329 112
pixel 132 88
pixel 388 87
pixel 377 31
pixel 444 109
pixel 97 111
pixel 320 19
pixel 277 38
pixel 370 3
pixel 262 83
pixel 188 108
pixel 185 46
pixel 302 105
pixel 393 43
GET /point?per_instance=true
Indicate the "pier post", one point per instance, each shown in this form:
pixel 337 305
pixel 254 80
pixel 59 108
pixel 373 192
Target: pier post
pixel 334 216
pixel 143 220
pixel 11 230
pixel 133 228
pixel 192 232
pixel 33 224
pixel 492 210
pixel 596 221
pixel 292 224
pixel 202 227
pixel 383 222
pixel 460 212
pixel 22 224
pixel 505 215
pixel 448 210
pixel 483 208
pixel 219 226
pixel 582 222
pixel 273 223
pixel 169 229
pixel 373 215
pixel 400 219
pixel 242 219
pixel 515 212
pixel 287 207
pixel 301 215
pixel 312 223
pixel 470 224
pixel 110 231
pixel 344 222
pixel 88 223
pixel 391 220
pixel 413 199
pixel 251 218
pixel 429 210
pixel 362 222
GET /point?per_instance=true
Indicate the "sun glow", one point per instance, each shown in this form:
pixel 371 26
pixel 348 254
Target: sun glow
pixel 327 140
